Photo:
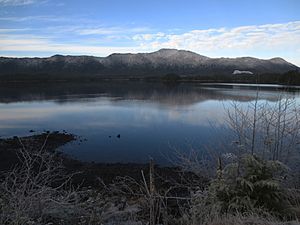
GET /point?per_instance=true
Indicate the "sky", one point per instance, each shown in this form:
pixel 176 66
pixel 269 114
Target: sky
pixel 215 28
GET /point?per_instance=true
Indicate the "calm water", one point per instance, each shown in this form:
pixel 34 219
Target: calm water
pixel 153 119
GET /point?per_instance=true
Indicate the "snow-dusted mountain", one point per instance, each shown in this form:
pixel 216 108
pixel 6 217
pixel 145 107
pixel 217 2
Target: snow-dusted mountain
pixel 159 63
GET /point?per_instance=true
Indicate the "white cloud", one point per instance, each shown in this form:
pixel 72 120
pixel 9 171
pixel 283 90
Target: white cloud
pixel 13 30
pixel 47 18
pixel 110 30
pixel 101 31
pixel 266 36
pixel 148 37
pixel 17 2
pixel 40 44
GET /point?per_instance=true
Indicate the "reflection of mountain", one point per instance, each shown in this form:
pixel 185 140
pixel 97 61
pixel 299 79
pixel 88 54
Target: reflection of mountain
pixel 176 94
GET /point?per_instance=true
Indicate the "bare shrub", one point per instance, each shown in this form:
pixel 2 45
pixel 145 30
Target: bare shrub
pixel 38 191
pixel 238 219
pixel 270 130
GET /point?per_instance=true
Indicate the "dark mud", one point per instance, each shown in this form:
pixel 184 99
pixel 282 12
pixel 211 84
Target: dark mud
pixel 48 141
pixel 88 174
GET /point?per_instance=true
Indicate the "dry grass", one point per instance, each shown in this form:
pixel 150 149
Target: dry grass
pixel 38 191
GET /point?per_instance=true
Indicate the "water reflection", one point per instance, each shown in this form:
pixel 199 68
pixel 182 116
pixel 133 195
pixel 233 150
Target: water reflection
pixel 165 94
pixel 148 116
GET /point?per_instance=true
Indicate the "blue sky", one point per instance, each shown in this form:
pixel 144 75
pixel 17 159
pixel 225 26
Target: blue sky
pixel 228 28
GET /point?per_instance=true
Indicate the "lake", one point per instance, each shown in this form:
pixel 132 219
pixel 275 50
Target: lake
pixel 127 121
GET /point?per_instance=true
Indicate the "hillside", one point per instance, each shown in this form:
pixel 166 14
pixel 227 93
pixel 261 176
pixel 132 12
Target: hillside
pixel 141 65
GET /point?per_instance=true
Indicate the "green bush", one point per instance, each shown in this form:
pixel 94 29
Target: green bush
pixel 250 185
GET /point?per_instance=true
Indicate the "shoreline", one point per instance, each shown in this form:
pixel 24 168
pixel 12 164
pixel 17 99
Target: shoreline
pixel 192 80
pixel 87 174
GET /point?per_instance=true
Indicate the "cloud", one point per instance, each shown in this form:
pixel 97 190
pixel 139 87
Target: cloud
pixel 110 30
pixel 44 18
pixel 27 43
pixel 263 41
pixel 17 2
pixel 148 37
pixel 240 38
pixel 13 30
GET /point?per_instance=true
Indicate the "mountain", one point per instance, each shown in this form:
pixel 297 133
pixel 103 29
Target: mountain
pixel 155 64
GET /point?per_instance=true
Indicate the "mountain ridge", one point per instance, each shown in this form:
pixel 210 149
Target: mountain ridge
pixel 154 64
pixel 142 53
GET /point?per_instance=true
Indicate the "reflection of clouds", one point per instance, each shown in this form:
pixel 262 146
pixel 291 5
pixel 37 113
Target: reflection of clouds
pixel 174 115
pixel 111 124
pixel 147 115
pixel 34 112
pixel 15 112
pixel 204 113
pixel 199 114
pixel 250 95
pixel 108 112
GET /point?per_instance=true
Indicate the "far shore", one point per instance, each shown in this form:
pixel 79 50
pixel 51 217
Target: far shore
pixel 196 80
